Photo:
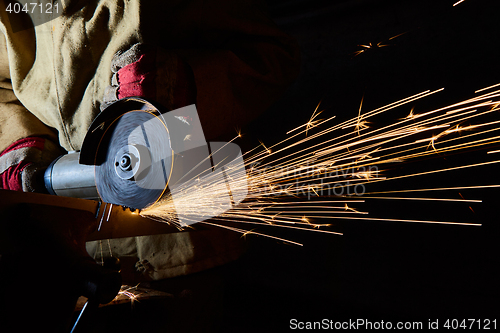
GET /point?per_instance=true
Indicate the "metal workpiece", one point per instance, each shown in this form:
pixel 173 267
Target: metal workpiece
pixel 98 220
pixel 118 222
pixel 9 198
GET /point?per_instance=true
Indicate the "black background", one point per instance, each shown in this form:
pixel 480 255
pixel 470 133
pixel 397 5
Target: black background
pixel 380 270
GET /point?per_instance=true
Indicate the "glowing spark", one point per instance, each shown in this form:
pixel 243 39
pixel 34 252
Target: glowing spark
pixel 109 211
pixel 367 155
pixel 313 190
pixel 314 228
pixel 371 46
pixel 246 232
pixel 411 115
pixel 433 139
pixel 346 207
pixel 425 199
pixel 458 2
pixel 360 124
pixel 401 34
pixel 128 292
pixel 495 106
pixel 102 216
pixel 458 129
pixel 267 149
pixel 439 189
pixel 487 88
pixel 406 221
pixel 311 123
pixel 367 174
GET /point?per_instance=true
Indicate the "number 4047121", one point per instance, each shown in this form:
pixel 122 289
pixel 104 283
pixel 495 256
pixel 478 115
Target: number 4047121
pixel 32 8
pixel 470 324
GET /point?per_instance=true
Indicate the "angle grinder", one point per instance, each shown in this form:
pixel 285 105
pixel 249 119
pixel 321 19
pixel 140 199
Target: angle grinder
pixel 134 152
pixel 126 157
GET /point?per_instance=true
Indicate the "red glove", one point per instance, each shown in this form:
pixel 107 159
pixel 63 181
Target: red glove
pixel 23 163
pixel 152 73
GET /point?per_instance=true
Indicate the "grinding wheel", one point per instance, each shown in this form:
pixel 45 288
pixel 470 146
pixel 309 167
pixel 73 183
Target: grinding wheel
pixel 134 160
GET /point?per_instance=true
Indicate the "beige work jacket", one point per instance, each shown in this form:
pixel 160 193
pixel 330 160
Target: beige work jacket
pixel 53 76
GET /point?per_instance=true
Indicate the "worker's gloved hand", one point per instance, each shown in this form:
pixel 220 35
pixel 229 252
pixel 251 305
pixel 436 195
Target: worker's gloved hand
pixel 152 73
pixel 23 164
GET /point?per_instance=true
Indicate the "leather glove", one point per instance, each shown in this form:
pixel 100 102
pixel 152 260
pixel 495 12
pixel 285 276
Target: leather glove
pixel 23 164
pixel 152 73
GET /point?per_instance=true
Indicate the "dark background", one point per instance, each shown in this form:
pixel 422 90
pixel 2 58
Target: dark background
pixel 379 270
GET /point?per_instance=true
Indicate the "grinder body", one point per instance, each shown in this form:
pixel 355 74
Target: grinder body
pixel 66 177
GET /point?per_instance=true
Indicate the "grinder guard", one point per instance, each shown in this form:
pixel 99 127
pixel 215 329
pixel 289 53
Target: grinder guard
pixel 106 118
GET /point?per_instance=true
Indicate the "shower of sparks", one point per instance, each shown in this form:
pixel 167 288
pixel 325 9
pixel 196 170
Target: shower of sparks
pixel 311 177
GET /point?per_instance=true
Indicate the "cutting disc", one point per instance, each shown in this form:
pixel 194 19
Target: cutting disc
pixel 134 160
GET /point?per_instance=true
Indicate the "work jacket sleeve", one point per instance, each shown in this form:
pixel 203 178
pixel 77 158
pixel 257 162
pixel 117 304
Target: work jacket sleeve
pixel 16 122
